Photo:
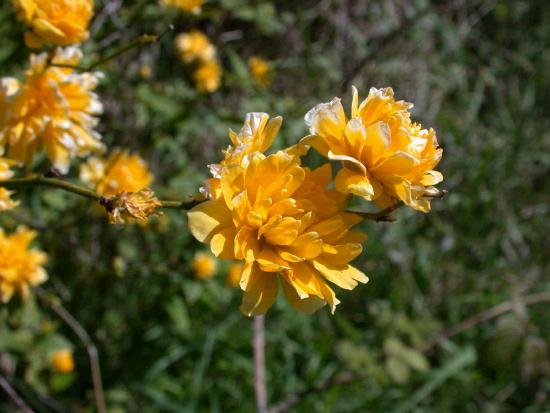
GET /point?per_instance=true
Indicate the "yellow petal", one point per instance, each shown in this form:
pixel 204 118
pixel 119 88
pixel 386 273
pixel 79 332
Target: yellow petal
pixel 307 305
pixel 349 181
pixel 207 218
pixel 398 164
pixel 260 293
pixel 344 276
pixel 270 261
pixel 349 162
pixel 223 244
pixel 431 178
pixel 308 246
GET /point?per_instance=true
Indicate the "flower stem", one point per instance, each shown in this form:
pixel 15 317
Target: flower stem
pixel 38 180
pixel 381 216
pixel 10 391
pixel 138 41
pixel 85 338
pixel 258 344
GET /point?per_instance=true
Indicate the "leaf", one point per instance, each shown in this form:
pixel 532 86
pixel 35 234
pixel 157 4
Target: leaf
pixel 397 370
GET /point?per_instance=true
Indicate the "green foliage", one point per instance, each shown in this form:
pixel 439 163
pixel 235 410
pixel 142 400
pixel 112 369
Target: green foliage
pixel 476 71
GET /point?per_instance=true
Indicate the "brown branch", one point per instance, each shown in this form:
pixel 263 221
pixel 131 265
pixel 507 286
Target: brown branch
pixel 258 344
pixel 138 41
pixel 38 180
pixel 484 316
pixel 10 391
pixel 84 337
pixel 381 216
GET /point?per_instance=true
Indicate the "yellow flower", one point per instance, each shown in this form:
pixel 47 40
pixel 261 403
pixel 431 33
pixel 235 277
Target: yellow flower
pixel 62 361
pixel 261 72
pixel 122 171
pixel 190 6
pixel 195 45
pixel 385 156
pixel 5 200
pixel 54 109
pixel 131 205
pixel 208 76
pixel 6 173
pixel 58 22
pixel 279 219
pixel 20 267
pixel 204 265
pixel 234 275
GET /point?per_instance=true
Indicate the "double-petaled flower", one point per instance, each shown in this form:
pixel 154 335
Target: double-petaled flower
pixel 121 171
pixel 280 219
pixel 385 157
pixel 59 22
pixel 55 109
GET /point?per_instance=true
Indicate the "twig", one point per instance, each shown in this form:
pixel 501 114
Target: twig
pixel 84 337
pixel 37 180
pixel 381 216
pixel 10 391
pixel 484 316
pixel 138 41
pixel 258 344
pixel 487 315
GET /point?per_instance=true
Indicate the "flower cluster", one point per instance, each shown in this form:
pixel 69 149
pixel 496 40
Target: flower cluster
pixel 289 224
pixel 195 47
pixel 54 109
pixel 385 157
pixel 20 267
pixel 60 22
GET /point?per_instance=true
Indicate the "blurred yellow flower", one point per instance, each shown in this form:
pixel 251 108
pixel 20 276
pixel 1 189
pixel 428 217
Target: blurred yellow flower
pixel 131 205
pixel 62 361
pixel 190 6
pixel 6 173
pixel 208 76
pixel 5 200
pixel 122 171
pixel 57 22
pixel 234 274
pixel 20 267
pixel 204 265
pixel 279 218
pixel 195 45
pixel 385 156
pixel 55 109
pixel 260 70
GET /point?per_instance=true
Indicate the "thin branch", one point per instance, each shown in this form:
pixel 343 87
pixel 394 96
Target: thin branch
pixel 258 344
pixel 10 391
pixel 85 338
pixel 348 377
pixel 381 216
pixel 37 180
pixel 487 315
pixel 138 41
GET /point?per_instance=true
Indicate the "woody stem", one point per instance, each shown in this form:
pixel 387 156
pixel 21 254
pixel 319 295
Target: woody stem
pixel 38 180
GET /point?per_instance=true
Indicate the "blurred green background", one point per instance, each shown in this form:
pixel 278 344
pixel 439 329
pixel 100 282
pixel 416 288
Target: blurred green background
pixel 477 72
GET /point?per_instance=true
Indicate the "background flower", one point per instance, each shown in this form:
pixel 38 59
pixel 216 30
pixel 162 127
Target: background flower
pixel 54 109
pixel 121 171
pixel 57 22
pixel 20 266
